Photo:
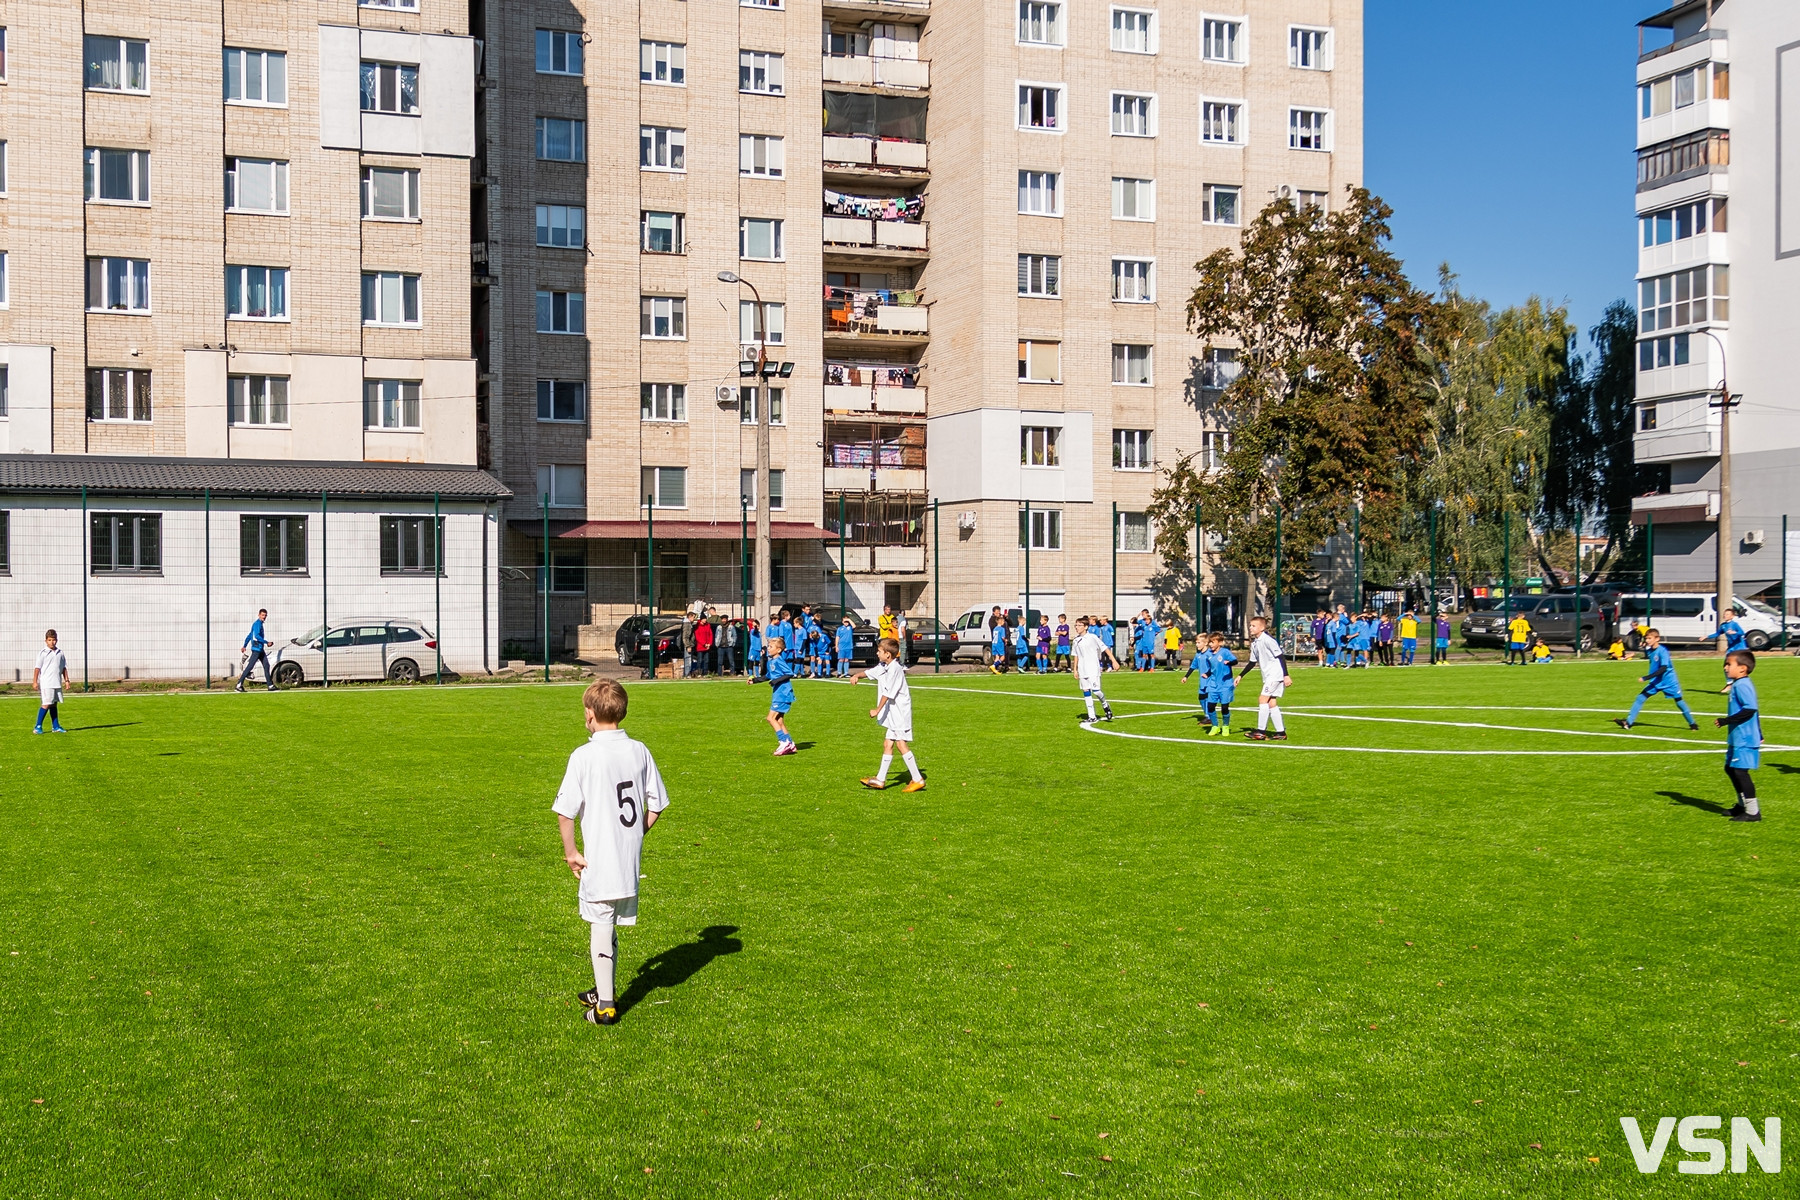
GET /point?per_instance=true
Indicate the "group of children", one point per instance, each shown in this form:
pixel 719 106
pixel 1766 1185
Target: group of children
pixel 1031 646
pixel 1345 639
pixel 807 648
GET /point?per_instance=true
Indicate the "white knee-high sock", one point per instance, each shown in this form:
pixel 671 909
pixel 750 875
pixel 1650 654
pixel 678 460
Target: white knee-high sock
pixel 603 948
pixel 1262 716
pixel 887 762
pixel 912 765
pixel 1088 699
pixel 1275 719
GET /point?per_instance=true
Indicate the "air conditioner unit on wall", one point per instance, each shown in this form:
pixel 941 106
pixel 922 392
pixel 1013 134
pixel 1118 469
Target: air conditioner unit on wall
pixel 966 521
pixel 726 395
pixel 1753 537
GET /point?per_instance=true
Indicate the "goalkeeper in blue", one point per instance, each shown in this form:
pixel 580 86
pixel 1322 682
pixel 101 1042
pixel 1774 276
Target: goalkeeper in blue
pixel 1661 679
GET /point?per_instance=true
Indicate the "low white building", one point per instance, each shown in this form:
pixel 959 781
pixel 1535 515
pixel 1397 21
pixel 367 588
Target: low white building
pixel 155 567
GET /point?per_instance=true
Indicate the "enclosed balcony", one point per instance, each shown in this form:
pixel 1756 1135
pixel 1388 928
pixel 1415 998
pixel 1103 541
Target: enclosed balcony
pixel 874 456
pixel 868 70
pixel 896 318
pixel 876 533
pixel 874 135
pixel 867 10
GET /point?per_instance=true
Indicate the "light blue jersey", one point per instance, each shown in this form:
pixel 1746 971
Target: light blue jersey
pixel 1743 742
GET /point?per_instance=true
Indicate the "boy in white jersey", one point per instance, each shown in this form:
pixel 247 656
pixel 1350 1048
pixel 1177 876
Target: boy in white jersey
pixel 1090 651
pixel 49 677
pixel 613 788
pixel 1265 655
pixel 893 708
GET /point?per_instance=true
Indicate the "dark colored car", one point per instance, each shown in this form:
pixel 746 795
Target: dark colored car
pixel 633 640
pixel 1553 620
pixel 1486 625
pixel 926 636
pixel 864 635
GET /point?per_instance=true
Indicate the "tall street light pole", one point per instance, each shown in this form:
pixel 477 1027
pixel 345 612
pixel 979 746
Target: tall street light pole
pixel 763 597
pixel 1727 588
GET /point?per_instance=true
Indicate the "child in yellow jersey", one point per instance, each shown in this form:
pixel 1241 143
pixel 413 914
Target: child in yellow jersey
pixel 1518 634
pixel 1172 647
pixel 1616 651
pixel 1409 637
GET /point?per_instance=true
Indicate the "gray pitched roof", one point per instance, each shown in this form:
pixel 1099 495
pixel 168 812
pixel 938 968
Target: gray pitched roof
pixel 117 475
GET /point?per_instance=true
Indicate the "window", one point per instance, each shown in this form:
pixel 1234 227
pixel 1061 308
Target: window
pixel 1684 221
pixel 2 52
pixel 1131 450
pixel 1646 418
pixel 1040 193
pixel 1214 445
pixel 1037 445
pixel 777 488
pixel 1134 30
pixel 5 392
pixel 390 194
pixel 1683 156
pixel 1040 275
pixel 256 293
pixel 566 486
pixel 559 52
pixel 271 545
pixel 661 148
pixel 2 166
pixel 1222 41
pixel 759 3
pixel 390 404
pixel 562 312
pixel 1219 368
pixel 1132 536
pixel 1040 362
pixel 390 298
pixel 1040 23
pixel 663 402
pixel 5 544
pixel 1221 205
pixel 121 176
pixel 759 237
pixel 255 76
pixel 1131 363
pixel 1317 202
pixel 409 545
pixel 390 88
pixel 1683 89
pixel 126 543
pixel 664 232
pixel 257 399
pixel 116 64
pixel 1133 280
pixel 1673 351
pixel 1669 301
pixel 750 331
pixel 256 185
pixel 747 406
pixel 1045 529
pixel 762 156
pixel 662 317
pixel 1309 49
pixel 118 285
pixel 1134 199
pixel 1309 129
pixel 562 140
pixel 662 62
pixel 118 394
pixel 1222 122
pixel 1040 107
pixel 5 301
pixel 409 5
pixel 561 226
pixel 561 400
pixel 759 72
pixel 1133 115
pixel 664 487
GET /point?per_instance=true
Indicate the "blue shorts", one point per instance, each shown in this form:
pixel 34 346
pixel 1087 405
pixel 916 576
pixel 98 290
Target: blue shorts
pixel 1443 643
pixel 1747 758
pixel 1409 643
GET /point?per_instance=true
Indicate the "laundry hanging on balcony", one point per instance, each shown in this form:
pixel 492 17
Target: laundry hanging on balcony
pixel 874 208
pixel 864 375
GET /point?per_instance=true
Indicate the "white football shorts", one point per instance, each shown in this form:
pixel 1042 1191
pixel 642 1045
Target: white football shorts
pixel 1273 688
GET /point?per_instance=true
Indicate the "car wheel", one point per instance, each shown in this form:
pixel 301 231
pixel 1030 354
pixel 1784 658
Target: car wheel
pixel 1587 640
pixel 1757 641
pixel 624 657
pixel 403 670
pixel 288 675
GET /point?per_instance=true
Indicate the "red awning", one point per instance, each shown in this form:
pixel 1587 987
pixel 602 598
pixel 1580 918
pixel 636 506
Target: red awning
pixel 696 531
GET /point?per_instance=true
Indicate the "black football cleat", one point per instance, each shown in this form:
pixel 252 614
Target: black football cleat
pixel 606 1014
pixel 1746 816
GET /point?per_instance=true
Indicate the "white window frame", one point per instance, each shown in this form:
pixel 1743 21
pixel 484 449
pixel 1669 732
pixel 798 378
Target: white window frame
pixel 670 310
pixel 1145 277
pixel 1143 519
pixel 1117 104
pixel 564 483
pixel 1033 183
pixel 774 232
pixel 679 244
pixel 401 71
pixel 1026 360
pixel 577 139
pixel 278 186
pixel 662 403
pixel 121 44
pixel 5 302
pixel 409 188
pixel 137 278
pixel 1045 529
pixel 125 398
pixel 777 487
pixel 1209 211
pixel 1243 121
pixel 140 175
pixel 405 5
pixel 1148 357
pixel 656 493
pixel 667 59
pixel 245 54
pixel 772 67
pixel 1141 444
pixel 747 406
pixel 2 166
pixel 1322 51
pixel 775 312
pixel 565 314
pixel 1240 42
pixel 1057 9
pixel 1043 442
pixel 761 4
pixel 242 273
pixel 1056 96
pixel 574 231
pixel 241 405
pixel 399 398
pixel 1305 198
pixel 573 44
pixel 1215 444
pixel 408 283
pixel 762 156
pixel 547 396
pixel 662 148
pixel 1039 270
pixel 1321 133
pixel 1141 190
pixel 1150 32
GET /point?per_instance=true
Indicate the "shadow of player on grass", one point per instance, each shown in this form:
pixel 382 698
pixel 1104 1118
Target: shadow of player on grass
pixel 1711 806
pixel 676 965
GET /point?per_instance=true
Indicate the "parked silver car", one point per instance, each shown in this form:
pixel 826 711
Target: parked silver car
pixel 399 649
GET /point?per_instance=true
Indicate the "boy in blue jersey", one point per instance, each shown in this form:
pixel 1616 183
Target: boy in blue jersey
pixel 846 647
pixel 1359 640
pixel 780 677
pixel 1660 678
pixel 1224 685
pixel 1022 646
pixel 1730 630
pixel 1000 648
pixel 753 646
pixel 1743 744
pixel 1201 662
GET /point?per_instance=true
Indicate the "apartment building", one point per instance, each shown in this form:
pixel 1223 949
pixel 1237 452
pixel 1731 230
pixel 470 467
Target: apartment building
pixel 972 224
pixel 1718 202
pixel 235 233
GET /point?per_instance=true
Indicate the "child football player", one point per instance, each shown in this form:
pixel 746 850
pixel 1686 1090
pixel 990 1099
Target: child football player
pixel 1409 637
pixel 1224 686
pixel 49 677
pixel 1743 744
pixel 1001 650
pixel 846 647
pixel 1043 644
pixel 1089 653
pixel 893 708
pixel 1202 662
pixel 780 677
pixel 1266 656
pixel 1660 678
pixel 1062 642
pixel 612 787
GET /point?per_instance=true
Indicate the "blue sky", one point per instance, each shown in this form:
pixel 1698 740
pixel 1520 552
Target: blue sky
pixel 1502 136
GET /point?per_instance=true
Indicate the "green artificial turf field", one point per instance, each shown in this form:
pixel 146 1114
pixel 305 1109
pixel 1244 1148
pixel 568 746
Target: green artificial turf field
pixel 319 944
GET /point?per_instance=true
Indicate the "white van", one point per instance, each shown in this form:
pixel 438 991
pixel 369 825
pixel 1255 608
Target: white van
pixel 1688 619
pixel 972 632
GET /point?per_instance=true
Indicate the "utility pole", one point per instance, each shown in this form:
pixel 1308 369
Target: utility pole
pixel 761 369
pixel 1727 591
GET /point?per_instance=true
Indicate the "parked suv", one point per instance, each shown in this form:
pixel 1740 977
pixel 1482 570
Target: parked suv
pixel 396 649
pixel 1685 618
pixel 632 641
pixel 1485 622
pixel 1553 620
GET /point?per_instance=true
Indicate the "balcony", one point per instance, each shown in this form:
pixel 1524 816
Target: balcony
pixel 1683 158
pixel 1676 508
pixel 868 70
pixel 855 156
pixel 1676 428
pixel 863 10
pixel 883 533
pixel 890 318
pixel 875 457
pixel 878 226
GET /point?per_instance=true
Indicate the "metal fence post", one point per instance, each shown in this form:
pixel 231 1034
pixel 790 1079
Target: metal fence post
pixel 1431 518
pixel 437 580
pixel 1356 555
pixel 485 511
pixel 324 589
pixel 1275 597
pixel 1649 563
pixel 1578 588
pixel 1784 595
pixel 1025 608
pixel 1112 611
pixel 937 590
pixel 1506 566
pixel 843 563
pixel 1196 576
pixel 206 533
pixel 86 547
pixel 546 501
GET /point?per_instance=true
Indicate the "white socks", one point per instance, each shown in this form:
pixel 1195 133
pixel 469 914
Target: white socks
pixel 1088 699
pixel 1262 716
pixel 604 950
pixel 887 761
pixel 912 766
pixel 1275 719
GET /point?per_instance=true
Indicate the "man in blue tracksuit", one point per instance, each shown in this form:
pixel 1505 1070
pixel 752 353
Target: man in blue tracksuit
pixel 1659 678
pixel 256 645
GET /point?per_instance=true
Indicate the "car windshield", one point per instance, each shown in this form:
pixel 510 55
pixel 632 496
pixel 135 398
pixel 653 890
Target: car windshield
pixel 1760 607
pixel 310 636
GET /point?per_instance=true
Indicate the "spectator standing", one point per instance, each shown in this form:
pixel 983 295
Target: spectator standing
pixel 256 650
pixel 987 627
pixel 688 654
pixel 703 645
pixel 902 636
pixel 885 624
